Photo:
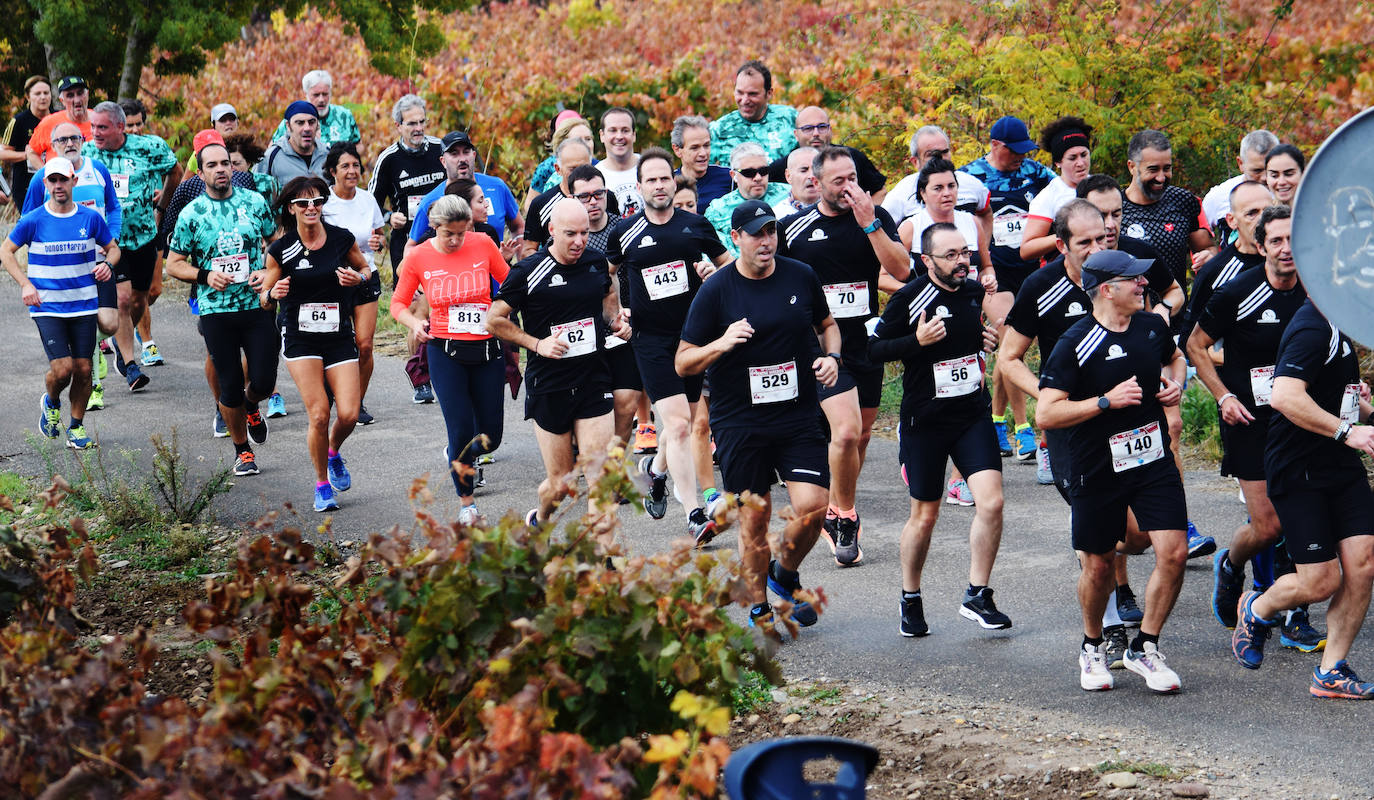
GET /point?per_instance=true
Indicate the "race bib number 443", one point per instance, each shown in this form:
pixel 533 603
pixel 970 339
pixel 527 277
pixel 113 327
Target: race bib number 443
pixel 1135 448
pixel 665 280
pixel 773 384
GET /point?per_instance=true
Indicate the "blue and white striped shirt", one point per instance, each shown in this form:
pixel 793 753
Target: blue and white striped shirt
pixel 62 257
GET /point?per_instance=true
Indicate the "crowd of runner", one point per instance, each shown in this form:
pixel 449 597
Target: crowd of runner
pixel 737 300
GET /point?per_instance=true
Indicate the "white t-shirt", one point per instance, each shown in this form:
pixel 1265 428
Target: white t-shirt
pixel 1051 198
pixel 1217 202
pixel 901 201
pixel 624 185
pixel 359 216
pixel 963 220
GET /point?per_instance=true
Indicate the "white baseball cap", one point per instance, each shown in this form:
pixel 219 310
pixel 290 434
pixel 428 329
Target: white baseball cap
pixel 221 110
pixel 57 165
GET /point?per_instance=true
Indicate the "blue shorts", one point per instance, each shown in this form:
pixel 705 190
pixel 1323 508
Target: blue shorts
pixel 67 337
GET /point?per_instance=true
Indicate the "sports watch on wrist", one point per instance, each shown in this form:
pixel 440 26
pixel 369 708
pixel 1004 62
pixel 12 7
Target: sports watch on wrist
pixel 1103 403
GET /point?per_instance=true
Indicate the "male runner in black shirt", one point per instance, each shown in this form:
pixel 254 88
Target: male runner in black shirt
pixel 658 252
pixel 406 171
pixel 1104 384
pixel 1167 217
pixel 1251 313
pixel 850 243
pixel 568 306
pixel 753 328
pixel 1319 488
pixel 1248 201
pixel 934 325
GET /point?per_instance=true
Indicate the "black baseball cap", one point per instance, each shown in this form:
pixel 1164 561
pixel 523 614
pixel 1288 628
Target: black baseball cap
pixel 1105 265
pixel 750 216
pixel 456 138
pixel 71 82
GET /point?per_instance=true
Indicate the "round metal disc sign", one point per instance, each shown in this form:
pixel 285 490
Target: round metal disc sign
pixel 1333 228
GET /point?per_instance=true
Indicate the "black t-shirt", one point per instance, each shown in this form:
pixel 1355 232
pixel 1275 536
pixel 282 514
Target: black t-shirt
pixel 316 305
pixel 402 177
pixel 1251 316
pixel 870 179
pixel 567 299
pixel 24 124
pixel 1313 351
pixel 1089 361
pixel 766 382
pixel 943 382
pixel 541 211
pixel 1048 304
pixel 1221 269
pixel 843 258
pixel 1166 224
pixel 658 262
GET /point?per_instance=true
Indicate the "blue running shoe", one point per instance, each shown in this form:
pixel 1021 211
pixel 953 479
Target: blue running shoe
pixel 120 363
pixel 137 380
pixel 276 406
pixel 1247 640
pixel 1297 632
pixel 338 474
pixel 1227 587
pixel 1025 443
pixel 761 616
pixel 1003 446
pixel 49 417
pixel 1199 545
pixel 324 499
pixel 1126 606
pixel 78 440
pixel 1341 683
pixel 802 612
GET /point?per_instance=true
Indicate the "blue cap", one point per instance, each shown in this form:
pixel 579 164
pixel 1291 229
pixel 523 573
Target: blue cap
pixel 1105 265
pixel 300 107
pixel 1012 132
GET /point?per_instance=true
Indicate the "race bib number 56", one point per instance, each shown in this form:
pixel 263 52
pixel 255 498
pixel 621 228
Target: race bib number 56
pixel 957 376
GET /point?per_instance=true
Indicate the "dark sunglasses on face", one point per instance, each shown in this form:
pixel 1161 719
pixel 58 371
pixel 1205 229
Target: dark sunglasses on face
pixel 308 202
pixel 752 172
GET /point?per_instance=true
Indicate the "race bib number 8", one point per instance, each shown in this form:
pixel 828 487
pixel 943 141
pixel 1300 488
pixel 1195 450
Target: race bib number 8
pixel 468 318
pixel 1262 384
pixel 957 376
pixel 665 280
pixel 235 266
pixel 847 300
pixel 773 384
pixel 1131 449
pixel 1006 230
pixel 120 181
pixel 580 336
pixel 318 318
pixel 1350 403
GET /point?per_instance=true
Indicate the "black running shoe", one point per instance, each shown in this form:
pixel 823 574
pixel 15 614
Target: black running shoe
pixel 847 552
pixel 980 608
pixel 1227 587
pixel 257 426
pixel 913 618
pixel 656 502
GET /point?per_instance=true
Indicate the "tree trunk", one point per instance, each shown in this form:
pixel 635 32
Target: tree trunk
pixel 136 48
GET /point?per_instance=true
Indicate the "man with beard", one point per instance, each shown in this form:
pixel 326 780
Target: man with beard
pixel 1163 215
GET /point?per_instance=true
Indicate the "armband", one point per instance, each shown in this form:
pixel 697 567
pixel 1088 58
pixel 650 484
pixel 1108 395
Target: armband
pixel 1223 398
pixel 203 277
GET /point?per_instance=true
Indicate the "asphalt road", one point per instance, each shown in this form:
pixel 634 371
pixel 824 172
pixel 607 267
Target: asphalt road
pixel 1265 719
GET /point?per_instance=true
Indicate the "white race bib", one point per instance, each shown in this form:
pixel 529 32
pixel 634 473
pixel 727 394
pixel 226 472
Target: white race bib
pixel 580 336
pixel 1007 228
pixel 318 318
pixel 468 318
pixel 413 204
pixel 1262 384
pixel 773 384
pixel 1350 404
pixel 1131 449
pixel 235 266
pixel 847 300
pixel 665 280
pixel 120 181
pixel 957 376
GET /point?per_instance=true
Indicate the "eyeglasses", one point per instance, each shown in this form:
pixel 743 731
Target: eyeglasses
pixel 1131 279
pixel 953 255
pixel 67 140
pixel 597 194
pixel 931 155
pixel 822 127
pixel 308 202
pixel 415 123
pixel 752 172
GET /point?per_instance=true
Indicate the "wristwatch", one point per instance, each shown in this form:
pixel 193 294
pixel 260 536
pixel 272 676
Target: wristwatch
pixel 1342 431
pixel 839 360
pixel 1103 403
pixel 872 226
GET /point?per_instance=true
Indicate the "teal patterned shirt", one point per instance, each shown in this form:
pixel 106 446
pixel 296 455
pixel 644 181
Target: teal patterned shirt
pixel 137 170
pixel 337 125
pixel 776 132
pixel 718 213
pixel 225 236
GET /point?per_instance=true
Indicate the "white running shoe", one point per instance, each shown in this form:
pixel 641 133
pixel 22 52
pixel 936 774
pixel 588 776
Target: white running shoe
pixel 469 515
pixel 1152 666
pixel 1093 675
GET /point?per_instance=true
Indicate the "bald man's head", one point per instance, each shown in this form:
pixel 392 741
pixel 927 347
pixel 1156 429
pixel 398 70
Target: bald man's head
pixel 569 227
pixel 66 140
pixel 813 127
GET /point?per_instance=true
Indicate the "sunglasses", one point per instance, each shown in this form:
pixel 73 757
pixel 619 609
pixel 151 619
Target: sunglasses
pixel 308 202
pixel 752 172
